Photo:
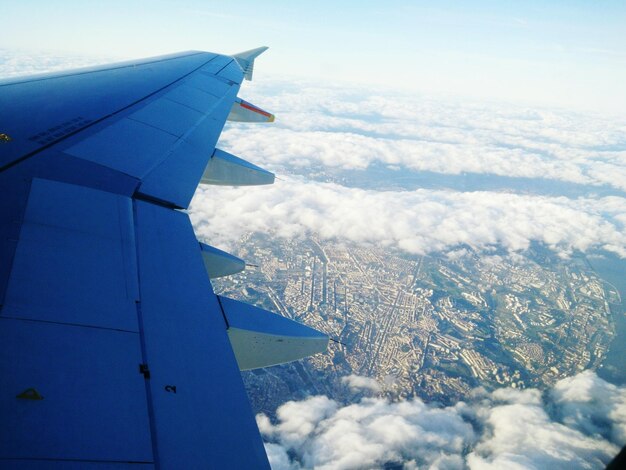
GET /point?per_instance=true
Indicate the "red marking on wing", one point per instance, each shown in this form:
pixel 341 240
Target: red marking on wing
pixel 255 109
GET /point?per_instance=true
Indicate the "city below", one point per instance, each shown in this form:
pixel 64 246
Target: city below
pixel 429 326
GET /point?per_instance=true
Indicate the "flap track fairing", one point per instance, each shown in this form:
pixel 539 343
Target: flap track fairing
pixel 261 339
pixel 218 263
pixel 225 169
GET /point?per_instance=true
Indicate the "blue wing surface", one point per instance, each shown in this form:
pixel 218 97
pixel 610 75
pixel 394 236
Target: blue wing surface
pixel 113 347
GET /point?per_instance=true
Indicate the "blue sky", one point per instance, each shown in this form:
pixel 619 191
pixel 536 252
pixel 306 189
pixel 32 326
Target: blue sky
pixel 568 54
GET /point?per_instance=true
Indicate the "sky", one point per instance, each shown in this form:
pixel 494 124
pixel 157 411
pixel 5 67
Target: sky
pixel 570 54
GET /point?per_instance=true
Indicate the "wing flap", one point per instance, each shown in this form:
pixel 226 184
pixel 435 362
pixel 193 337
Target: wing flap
pixel 94 404
pixel 207 422
pixel 75 259
pixel 139 129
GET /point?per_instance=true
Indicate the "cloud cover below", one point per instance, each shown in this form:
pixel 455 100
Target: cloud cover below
pixel 351 128
pixel 421 221
pixel 322 129
pixel 579 423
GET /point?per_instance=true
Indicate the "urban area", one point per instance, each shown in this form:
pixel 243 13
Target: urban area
pixel 429 326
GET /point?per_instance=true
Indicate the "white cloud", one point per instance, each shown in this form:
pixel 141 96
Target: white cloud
pixel 419 221
pixel 294 149
pixel 352 128
pixel 372 431
pixel 299 419
pixel 308 149
pixel 592 406
pixel 359 383
pixel 504 429
pixel 523 436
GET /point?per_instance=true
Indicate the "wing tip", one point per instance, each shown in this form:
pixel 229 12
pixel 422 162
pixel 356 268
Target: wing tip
pixel 245 60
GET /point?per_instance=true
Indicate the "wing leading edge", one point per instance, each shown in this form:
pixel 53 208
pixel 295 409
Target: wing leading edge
pixel 113 347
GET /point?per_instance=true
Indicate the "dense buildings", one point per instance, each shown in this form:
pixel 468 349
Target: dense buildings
pixel 433 326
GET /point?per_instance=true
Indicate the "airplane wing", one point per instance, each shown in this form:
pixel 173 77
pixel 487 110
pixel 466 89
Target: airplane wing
pixel 113 347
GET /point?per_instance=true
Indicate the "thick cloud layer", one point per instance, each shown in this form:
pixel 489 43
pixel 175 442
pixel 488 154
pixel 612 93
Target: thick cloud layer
pixel 507 428
pixel 280 148
pixel 414 221
pixel 322 129
pixel 351 128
